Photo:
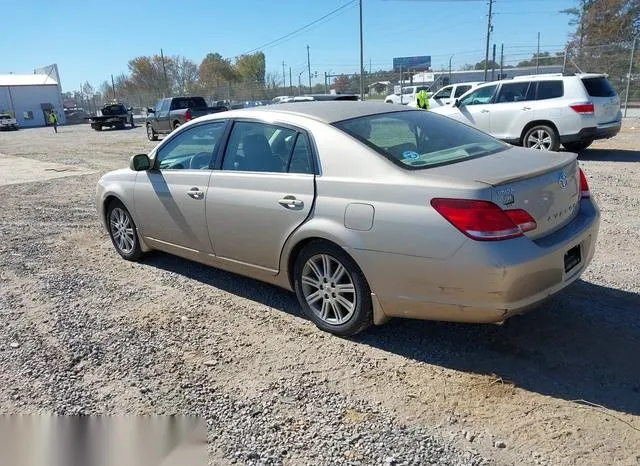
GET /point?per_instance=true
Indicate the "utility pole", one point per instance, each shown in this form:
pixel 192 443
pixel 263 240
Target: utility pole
pixel 538 55
pixel 113 88
pixel 501 60
pixel 564 60
pixel 626 97
pixel 326 87
pixel 489 27
pixel 450 58
pixel 164 70
pixel 284 77
pixel 493 64
pixel 361 57
pixel 300 82
pixel 290 83
pixel 309 68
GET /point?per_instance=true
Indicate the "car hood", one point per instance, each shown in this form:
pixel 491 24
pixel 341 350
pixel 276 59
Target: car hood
pixel 446 110
pixel 122 174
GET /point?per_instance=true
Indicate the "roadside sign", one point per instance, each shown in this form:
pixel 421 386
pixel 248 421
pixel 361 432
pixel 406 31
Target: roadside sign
pixel 397 90
pixel 421 63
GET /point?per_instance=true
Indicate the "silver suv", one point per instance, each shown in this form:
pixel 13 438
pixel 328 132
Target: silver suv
pixel 542 111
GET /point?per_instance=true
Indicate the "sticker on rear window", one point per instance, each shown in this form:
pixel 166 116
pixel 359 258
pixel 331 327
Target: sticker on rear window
pixel 409 154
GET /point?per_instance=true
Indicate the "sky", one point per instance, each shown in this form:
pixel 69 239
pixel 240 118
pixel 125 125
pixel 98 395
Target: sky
pixel 90 40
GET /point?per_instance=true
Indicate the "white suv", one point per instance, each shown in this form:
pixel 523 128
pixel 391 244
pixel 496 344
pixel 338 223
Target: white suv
pixel 542 111
pixel 408 94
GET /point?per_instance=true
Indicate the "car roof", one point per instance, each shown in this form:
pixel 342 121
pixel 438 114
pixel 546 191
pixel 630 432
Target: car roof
pixel 325 111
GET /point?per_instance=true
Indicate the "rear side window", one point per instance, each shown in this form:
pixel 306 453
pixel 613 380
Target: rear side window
pixel 549 90
pixel 599 87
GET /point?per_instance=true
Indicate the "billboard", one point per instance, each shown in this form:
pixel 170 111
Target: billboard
pixel 422 63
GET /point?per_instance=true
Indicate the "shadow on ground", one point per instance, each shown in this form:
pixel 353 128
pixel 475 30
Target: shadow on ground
pixel 610 155
pixel 582 345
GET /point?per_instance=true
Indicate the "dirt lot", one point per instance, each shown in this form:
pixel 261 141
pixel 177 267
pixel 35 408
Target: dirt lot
pixel 83 331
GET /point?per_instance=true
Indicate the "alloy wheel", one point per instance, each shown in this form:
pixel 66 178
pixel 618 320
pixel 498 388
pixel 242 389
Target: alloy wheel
pixel 122 232
pixel 540 139
pixel 329 289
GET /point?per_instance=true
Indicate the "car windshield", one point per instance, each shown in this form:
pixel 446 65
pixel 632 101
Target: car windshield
pixel 419 139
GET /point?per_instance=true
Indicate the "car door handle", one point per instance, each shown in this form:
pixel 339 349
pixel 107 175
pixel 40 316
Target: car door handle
pixel 484 111
pixel 290 202
pixel 195 193
pixel 526 108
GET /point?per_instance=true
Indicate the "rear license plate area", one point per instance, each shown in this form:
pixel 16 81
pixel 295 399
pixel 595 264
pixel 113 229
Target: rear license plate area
pixel 572 258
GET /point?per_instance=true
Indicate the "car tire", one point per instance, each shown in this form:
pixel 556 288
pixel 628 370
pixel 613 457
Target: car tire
pixel 577 146
pixel 176 125
pixel 123 231
pixel 97 127
pixel 151 134
pixel 332 290
pixel 541 137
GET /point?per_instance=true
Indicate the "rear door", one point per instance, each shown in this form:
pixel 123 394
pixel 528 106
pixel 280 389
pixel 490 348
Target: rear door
pixel 264 190
pixel 604 97
pixel 511 111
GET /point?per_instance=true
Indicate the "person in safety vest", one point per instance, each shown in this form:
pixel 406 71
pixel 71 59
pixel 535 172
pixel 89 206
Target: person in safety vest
pixel 53 120
pixel 422 100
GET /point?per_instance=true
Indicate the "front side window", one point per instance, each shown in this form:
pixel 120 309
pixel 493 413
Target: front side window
pixel 461 90
pixel 482 95
pixel 549 90
pixel 193 148
pixel 261 147
pixel 418 139
pixel 513 92
pixel 158 106
pixel 443 93
pixel 165 105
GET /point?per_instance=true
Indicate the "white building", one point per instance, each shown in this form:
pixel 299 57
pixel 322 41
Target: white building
pixel 30 97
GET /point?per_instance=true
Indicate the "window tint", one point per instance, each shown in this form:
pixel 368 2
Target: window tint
pixel 461 90
pixel 513 92
pixel 192 148
pixel 549 90
pixel 179 103
pixel 418 139
pixel 482 95
pixel 301 158
pixel 258 147
pixel 443 93
pixel 599 87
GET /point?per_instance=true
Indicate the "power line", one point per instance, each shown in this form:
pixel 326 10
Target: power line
pixel 274 42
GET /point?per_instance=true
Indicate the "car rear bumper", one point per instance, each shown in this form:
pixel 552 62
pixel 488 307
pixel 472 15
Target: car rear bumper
pixel 483 281
pixel 608 130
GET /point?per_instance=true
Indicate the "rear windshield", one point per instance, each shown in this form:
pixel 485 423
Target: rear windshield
pixel 188 102
pixel 599 87
pixel 114 110
pixel 5 117
pixel 416 139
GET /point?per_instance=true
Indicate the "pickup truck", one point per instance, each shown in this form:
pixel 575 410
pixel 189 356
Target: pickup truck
pixel 172 112
pixel 113 116
pixel 8 122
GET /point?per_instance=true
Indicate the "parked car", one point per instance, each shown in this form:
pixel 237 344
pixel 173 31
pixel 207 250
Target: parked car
pixel 447 94
pixel 8 122
pixel 172 112
pixel 367 211
pixel 408 95
pixel 319 98
pixel 112 116
pixel 542 111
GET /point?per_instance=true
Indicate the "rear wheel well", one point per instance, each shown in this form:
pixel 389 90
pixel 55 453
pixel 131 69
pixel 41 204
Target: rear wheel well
pixel 531 124
pixel 295 252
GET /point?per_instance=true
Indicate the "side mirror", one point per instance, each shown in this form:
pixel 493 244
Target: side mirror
pixel 456 103
pixel 150 110
pixel 129 109
pixel 140 162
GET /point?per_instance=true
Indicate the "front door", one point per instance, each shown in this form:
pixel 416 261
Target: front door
pixel 475 108
pixel 162 116
pixel 170 199
pixel 264 190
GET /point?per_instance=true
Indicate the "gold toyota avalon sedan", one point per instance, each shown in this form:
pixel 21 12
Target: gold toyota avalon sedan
pixel 366 211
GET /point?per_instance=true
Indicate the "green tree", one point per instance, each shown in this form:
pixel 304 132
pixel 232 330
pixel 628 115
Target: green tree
pixel 216 72
pixel 251 68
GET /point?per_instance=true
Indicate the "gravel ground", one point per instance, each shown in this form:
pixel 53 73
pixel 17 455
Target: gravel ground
pixel 83 331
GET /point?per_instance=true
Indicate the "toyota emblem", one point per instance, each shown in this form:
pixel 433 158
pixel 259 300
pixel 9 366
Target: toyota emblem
pixel 563 181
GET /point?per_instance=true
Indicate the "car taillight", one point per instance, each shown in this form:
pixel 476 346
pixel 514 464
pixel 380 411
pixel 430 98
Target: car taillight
pixel 585 193
pixel 583 109
pixel 484 220
pixel 187 115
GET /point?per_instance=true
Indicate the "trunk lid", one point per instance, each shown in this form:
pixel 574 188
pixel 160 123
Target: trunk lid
pixel 545 184
pixel 606 101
